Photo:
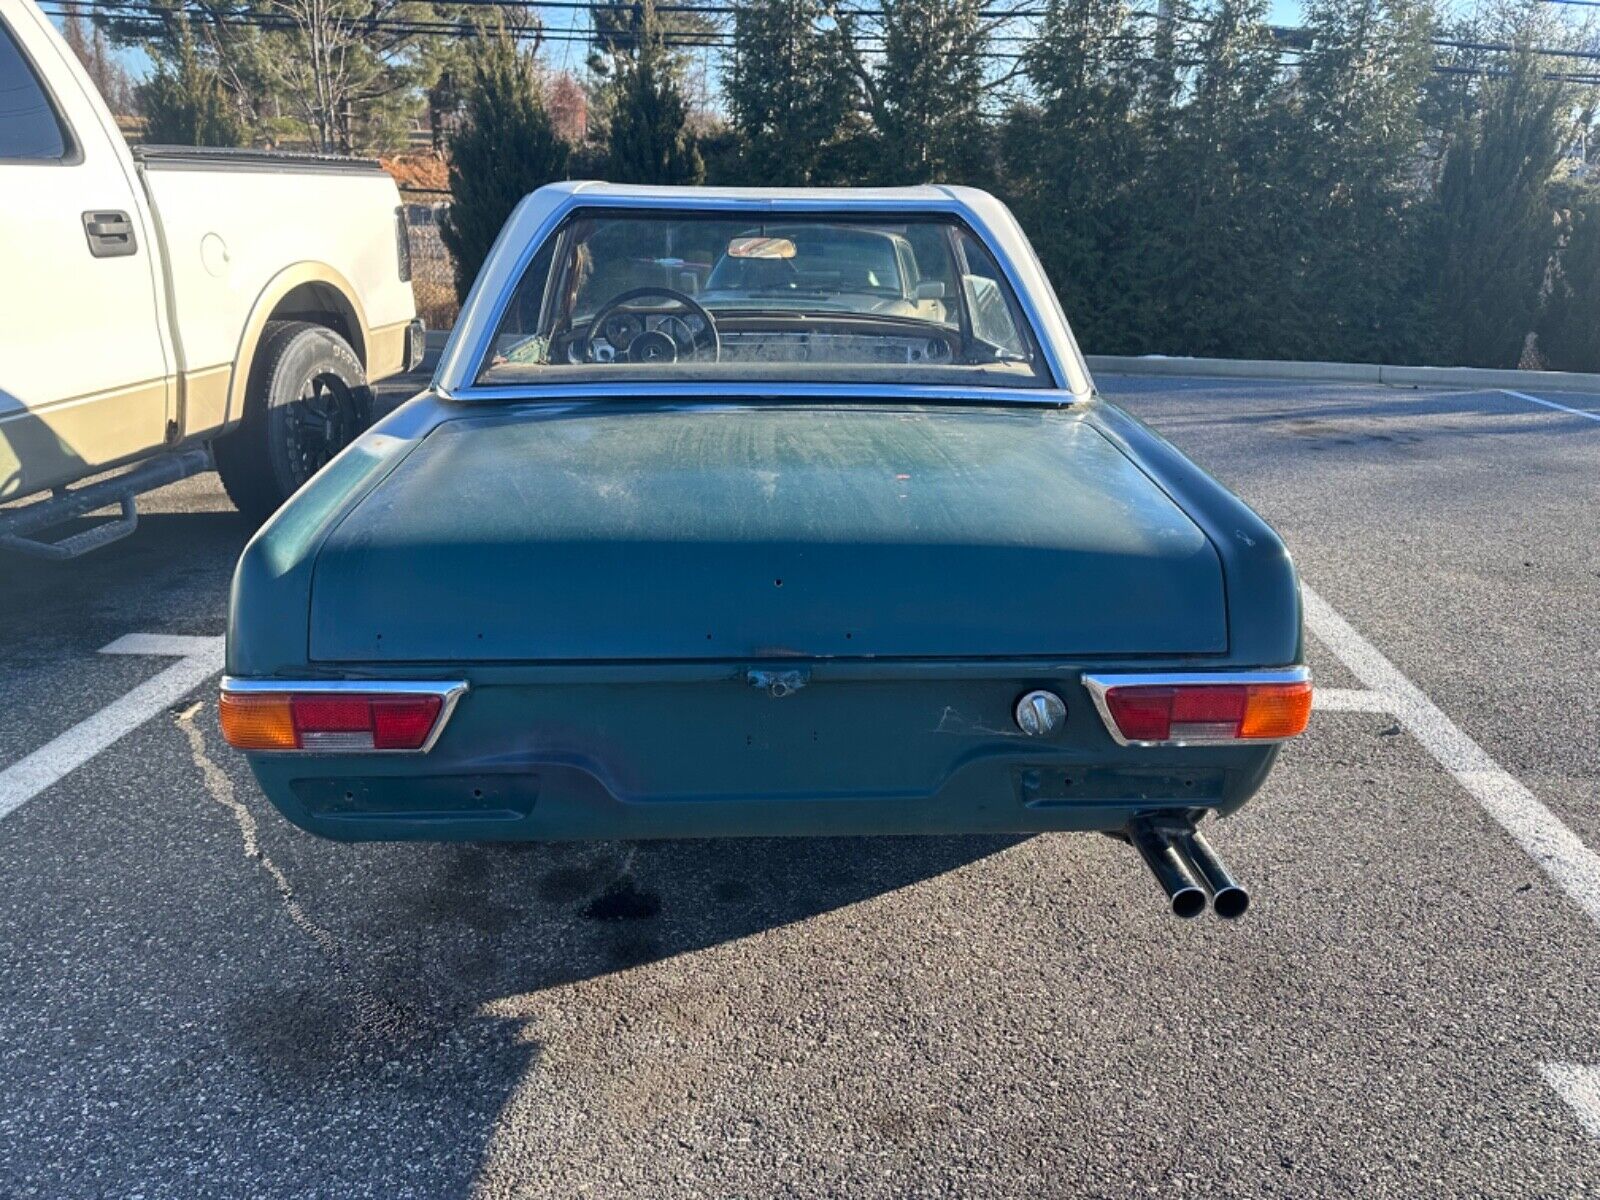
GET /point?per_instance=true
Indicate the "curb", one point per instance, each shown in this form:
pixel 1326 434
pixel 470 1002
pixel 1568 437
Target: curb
pixel 1473 378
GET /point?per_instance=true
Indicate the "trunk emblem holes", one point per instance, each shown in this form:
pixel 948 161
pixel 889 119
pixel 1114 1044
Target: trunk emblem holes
pixel 778 684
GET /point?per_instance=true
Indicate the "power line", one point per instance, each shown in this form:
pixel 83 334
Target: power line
pixel 152 16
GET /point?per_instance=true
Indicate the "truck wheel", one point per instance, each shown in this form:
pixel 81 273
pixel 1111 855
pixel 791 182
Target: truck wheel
pixel 307 400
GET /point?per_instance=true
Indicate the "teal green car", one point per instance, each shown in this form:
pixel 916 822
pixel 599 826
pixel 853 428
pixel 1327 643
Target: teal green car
pixel 765 512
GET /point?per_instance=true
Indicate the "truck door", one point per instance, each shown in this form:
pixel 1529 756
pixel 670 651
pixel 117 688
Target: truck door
pixel 83 364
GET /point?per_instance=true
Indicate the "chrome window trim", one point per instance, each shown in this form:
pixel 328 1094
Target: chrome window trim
pixel 448 691
pixel 1099 685
pixel 747 390
pixel 474 348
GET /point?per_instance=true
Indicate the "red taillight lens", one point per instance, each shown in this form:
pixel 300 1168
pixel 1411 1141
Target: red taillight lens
pixel 331 714
pixel 403 722
pixel 328 721
pixel 1209 712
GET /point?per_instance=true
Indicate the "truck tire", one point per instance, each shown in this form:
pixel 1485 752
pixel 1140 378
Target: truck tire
pixel 307 400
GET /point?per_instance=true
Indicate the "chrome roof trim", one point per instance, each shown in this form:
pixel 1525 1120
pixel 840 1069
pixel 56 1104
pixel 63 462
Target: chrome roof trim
pixel 1099 685
pixel 449 691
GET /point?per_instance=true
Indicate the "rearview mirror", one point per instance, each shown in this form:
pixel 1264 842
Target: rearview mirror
pixel 761 247
pixel 930 290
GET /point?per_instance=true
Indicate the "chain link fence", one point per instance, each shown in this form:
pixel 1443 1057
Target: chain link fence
pixel 433 269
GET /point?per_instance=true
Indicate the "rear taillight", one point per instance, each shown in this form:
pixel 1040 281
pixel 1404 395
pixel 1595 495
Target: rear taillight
pixel 333 719
pixel 1202 709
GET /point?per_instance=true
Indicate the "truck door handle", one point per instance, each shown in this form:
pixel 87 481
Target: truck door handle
pixel 110 234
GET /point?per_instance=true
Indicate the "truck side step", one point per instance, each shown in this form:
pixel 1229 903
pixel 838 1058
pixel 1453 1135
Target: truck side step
pixel 17 526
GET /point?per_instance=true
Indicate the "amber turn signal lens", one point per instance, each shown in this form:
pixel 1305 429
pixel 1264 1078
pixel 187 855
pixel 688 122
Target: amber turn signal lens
pixel 1209 713
pixel 258 722
pixel 1276 710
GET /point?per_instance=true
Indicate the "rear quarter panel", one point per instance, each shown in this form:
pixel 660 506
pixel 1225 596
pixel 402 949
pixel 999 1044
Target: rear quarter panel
pixel 1263 590
pixel 269 610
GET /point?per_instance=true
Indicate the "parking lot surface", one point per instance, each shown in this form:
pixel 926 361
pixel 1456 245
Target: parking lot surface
pixel 197 999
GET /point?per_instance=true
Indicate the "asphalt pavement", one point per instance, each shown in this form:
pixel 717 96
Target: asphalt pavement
pixel 198 1000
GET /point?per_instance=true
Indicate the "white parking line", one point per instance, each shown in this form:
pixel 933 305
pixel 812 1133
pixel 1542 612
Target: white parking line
pixel 199 659
pixel 1579 1086
pixel 1541 833
pixel 1577 412
pixel 1534 827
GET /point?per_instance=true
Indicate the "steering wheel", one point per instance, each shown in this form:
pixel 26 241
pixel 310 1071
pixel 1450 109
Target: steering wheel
pixel 653 345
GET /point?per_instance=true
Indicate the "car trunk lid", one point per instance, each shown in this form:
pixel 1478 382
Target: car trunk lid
pixel 765 532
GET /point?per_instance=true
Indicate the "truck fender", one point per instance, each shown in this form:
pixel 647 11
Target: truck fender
pixel 336 297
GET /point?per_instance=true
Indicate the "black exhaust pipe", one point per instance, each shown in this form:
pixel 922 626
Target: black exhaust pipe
pixel 1171 872
pixel 1228 899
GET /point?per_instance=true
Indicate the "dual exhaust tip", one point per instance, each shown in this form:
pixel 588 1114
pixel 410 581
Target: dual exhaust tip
pixel 1188 869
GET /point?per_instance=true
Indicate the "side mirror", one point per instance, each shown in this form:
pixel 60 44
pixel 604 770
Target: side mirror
pixel 929 290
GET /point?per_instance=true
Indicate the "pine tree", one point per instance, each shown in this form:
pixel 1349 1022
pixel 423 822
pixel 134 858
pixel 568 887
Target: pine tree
pixel 184 101
pixel 504 149
pixel 1071 158
pixel 790 92
pixel 1358 139
pixel 1215 232
pixel 1492 230
pixel 1569 326
pixel 927 92
pixel 648 139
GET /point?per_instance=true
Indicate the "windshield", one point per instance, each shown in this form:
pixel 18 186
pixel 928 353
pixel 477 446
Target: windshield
pixel 824 299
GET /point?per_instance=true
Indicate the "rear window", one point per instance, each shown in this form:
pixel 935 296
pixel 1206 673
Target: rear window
pixel 683 296
pixel 29 127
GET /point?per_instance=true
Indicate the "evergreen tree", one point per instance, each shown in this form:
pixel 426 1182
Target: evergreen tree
pixel 927 91
pixel 184 101
pixel 648 139
pixel 1359 137
pixel 1215 229
pixel 1492 230
pixel 790 91
pixel 505 148
pixel 1569 327
pixel 1071 159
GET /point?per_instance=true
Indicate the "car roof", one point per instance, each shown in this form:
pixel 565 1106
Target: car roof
pixel 540 214
pixel 846 197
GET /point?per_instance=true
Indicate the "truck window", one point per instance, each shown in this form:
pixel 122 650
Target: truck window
pixel 29 127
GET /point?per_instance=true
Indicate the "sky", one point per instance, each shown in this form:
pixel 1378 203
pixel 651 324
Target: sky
pixel 562 55
pixel 565 55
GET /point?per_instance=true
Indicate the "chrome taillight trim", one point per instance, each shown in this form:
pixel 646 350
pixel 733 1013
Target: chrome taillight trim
pixel 448 691
pixel 1099 685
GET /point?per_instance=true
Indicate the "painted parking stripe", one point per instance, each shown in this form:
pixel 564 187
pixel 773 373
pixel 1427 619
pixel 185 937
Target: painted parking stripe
pixel 1541 833
pixel 199 658
pixel 1579 1086
pixel 1577 412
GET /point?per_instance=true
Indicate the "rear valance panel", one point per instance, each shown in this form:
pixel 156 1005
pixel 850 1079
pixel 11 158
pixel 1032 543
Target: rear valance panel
pixel 765 532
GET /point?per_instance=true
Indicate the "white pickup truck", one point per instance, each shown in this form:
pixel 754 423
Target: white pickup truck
pixel 165 308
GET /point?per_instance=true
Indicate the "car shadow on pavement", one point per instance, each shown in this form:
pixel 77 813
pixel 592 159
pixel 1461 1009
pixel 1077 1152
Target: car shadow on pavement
pixel 426 935
pixel 431 979
pixel 422 938
pixel 176 566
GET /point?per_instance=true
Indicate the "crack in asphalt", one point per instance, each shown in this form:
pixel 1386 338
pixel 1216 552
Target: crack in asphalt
pixel 376 1016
